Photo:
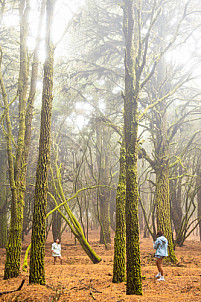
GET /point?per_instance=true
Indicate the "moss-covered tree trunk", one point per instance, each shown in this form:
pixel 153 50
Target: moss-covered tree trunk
pixel 18 178
pixel 119 267
pixel 162 156
pixel 198 183
pixel 162 183
pixel 30 106
pixel 3 168
pixel 13 249
pixel 56 226
pixel 12 259
pixel 163 206
pixel 104 200
pixel 37 270
pixel 72 222
pixel 131 116
pixel 176 205
pixel 103 164
pixel 3 203
pixel 18 168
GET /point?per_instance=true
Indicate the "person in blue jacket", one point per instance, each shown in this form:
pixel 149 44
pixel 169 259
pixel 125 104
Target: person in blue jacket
pixel 161 247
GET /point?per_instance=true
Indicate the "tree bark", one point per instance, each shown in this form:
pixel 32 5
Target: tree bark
pixel 162 156
pixel 37 270
pixel 119 267
pixel 176 205
pixel 3 203
pixel 56 226
pixel 131 116
pixel 103 163
pixel 163 207
pixel 198 183
pixel 13 249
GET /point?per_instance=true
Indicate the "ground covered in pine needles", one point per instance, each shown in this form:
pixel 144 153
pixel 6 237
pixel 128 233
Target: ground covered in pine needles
pixel 80 280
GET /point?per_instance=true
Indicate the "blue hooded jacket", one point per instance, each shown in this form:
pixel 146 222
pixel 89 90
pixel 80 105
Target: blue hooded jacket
pixel 161 245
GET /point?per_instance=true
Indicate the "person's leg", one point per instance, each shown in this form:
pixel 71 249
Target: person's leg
pixel 60 259
pixel 159 273
pixel 160 266
pixel 157 264
pixel 55 260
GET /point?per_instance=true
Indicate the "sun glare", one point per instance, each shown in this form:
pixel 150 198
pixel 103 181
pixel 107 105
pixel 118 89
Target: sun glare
pixel 64 12
pixel 11 20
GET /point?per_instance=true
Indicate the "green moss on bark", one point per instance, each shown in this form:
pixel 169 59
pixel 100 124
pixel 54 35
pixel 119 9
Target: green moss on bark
pixel 131 119
pixel 163 206
pixel 119 267
pixel 37 270
pixel 3 205
pixel 13 249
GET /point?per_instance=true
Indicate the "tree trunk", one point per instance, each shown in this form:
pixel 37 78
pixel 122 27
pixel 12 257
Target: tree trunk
pixel 56 226
pixel 176 209
pixel 119 268
pixel 198 184
pixel 18 176
pixel 162 156
pixel 3 203
pixel 75 227
pixel 131 116
pixel 37 271
pixel 104 199
pixel 12 264
pixel 13 249
pixel 73 223
pixel 103 161
pixel 28 121
pixel 163 207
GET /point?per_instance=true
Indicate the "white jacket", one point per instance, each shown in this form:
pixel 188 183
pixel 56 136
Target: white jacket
pixel 161 245
pixel 56 249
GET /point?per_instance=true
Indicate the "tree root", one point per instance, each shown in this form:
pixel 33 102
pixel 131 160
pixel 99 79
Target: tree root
pixel 88 287
pixel 15 290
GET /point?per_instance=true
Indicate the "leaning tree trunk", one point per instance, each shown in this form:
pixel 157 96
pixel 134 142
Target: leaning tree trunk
pixel 73 223
pixel 119 267
pixel 131 120
pixel 37 270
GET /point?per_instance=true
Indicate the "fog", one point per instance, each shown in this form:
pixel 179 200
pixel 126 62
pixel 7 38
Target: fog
pixel 114 80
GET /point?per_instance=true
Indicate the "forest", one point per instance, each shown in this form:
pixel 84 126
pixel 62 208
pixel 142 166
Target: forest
pixel 100 149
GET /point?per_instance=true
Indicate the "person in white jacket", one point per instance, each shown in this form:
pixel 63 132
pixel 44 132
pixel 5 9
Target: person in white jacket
pixel 161 247
pixel 56 251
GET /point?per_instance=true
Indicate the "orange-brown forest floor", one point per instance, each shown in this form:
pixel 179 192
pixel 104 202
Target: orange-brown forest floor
pixel 73 280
